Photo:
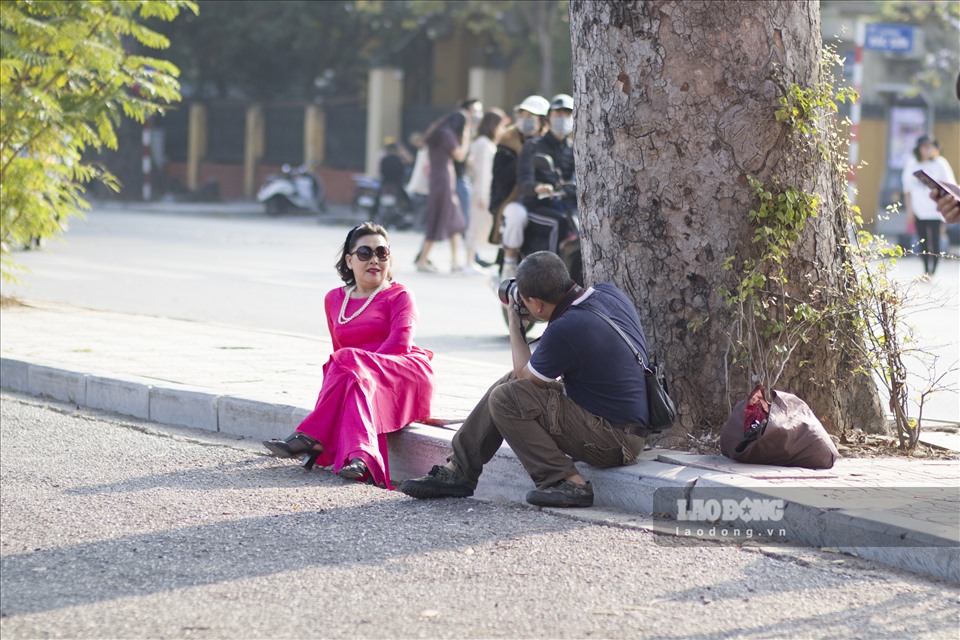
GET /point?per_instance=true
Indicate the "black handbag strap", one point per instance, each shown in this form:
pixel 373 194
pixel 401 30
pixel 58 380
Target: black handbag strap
pixel 606 318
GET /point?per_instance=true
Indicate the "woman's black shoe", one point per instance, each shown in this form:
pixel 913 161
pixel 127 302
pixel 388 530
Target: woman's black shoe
pixel 293 445
pixel 355 470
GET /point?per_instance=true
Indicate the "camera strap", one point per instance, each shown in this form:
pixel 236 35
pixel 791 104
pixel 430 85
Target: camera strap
pixel 568 299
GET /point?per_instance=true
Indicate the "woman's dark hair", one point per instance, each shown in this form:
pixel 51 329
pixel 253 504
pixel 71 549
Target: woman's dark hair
pixel 920 141
pixel 353 236
pixel 491 120
pixel 455 121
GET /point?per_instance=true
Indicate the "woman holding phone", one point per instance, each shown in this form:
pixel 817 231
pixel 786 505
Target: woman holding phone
pixel 921 209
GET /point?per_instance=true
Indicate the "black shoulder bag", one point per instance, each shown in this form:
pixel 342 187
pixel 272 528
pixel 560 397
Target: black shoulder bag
pixel 663 413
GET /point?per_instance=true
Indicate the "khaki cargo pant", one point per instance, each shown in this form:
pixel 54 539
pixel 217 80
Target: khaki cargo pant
pixel 546 430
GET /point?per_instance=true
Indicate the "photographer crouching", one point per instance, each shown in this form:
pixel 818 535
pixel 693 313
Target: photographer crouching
pixel 580 396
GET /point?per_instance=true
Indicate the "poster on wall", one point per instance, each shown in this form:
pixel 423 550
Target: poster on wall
pixel 906 125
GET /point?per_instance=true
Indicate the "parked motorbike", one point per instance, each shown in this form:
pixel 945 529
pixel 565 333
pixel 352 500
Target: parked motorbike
pixel 365 189
pixel 292 189
pixel 553 227
pixel 394 210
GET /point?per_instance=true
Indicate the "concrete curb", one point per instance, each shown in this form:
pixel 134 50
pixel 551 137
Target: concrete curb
pixel 887 538
pixel 414 450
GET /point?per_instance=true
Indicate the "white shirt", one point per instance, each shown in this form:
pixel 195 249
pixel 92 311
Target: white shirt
pixel 924 208
pixel 482 150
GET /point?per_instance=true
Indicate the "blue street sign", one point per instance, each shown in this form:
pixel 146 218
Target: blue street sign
pixel 889 37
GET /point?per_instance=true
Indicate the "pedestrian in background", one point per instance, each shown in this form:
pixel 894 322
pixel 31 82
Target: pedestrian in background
pixel 418 186
pixel 921 210
pixel 394 166
pixel 473 109
pixel 446 141
pixel 482 150
pixel 530 121
pixel 377 380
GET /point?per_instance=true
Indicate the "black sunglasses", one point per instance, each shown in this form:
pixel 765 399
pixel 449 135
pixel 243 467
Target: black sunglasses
pixel 364 253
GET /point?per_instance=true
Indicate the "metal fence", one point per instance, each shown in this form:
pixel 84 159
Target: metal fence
pixel 345 140
pixel 226 131
pixel 345 137
pixel 283 134
pixel 175 124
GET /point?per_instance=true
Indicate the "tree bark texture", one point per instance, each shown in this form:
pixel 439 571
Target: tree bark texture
pixel 675 106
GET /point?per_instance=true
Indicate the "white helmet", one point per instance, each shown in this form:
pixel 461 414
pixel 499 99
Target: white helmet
pixel 537 105
pixel 561 101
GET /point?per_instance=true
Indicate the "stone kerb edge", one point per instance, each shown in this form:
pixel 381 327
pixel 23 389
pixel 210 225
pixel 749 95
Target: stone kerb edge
pixel 897 546
pixel 195 409
pixel 415 449
pixel 67 386
pixel 164 405
pixel 14 374
pixel 121 396
pixel 631 488
pixel 257 419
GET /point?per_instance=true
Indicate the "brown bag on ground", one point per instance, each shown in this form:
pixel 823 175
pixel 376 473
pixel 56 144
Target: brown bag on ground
pixel 782 432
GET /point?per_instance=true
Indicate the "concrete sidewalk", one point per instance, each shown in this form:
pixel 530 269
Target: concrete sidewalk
pixel 260 384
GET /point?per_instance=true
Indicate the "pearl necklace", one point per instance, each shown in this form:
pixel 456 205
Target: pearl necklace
pixel 343 319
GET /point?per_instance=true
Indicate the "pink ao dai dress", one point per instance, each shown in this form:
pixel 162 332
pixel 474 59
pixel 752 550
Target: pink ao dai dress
pixel 376 381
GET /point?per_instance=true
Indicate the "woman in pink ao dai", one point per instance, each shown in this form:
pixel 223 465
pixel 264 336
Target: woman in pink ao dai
pixel 377 380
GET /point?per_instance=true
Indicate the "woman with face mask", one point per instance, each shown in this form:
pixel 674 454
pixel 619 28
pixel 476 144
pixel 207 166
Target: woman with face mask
pixel 531 121
pixel 536 187
pixel 557 143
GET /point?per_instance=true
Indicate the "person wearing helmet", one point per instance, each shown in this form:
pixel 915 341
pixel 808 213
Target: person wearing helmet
pixel 547 192
pixel 531 121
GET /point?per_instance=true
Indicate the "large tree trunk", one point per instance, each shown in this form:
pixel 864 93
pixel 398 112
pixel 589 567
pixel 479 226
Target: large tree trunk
pixel 675 108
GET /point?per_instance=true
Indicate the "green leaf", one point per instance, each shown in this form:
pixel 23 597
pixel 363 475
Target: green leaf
pixel 64 79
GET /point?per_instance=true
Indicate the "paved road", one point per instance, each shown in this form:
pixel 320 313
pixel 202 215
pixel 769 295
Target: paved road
pixel 250 272
pixel 271 273
pixel 113 528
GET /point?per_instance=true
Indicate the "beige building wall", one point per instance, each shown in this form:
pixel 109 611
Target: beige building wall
pixel 384 112
pixel 314 136
pixel 522 80
pixel 253 148
pixel 948 135
pixel 487 85
pixel 873 150
pixel 451 69
pixel 196 143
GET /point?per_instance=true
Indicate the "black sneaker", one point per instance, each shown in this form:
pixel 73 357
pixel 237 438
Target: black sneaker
pixel 439 483
pixel 563 494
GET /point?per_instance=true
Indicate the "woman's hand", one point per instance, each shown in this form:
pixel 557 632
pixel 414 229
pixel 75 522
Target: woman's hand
pixel 948 206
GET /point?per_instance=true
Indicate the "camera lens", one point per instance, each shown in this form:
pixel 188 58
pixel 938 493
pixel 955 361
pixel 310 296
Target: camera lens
pixel 504 291
pixel 507 291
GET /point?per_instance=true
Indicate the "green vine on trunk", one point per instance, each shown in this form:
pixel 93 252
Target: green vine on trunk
pixel 863 315
pixel 772 320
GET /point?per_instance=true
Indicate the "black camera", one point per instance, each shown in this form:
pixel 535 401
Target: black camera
pixel 508 291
